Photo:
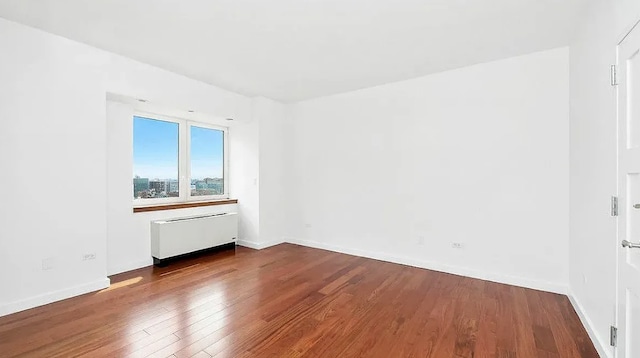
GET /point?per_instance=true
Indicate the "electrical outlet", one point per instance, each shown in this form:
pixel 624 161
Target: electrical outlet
pixel 420 240
pixel 456 245
pixel 86 257
pixel 48 263
pixel 308 226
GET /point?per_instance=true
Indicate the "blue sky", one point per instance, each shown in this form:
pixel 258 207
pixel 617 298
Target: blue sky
pixel 206 153
pixel 155 150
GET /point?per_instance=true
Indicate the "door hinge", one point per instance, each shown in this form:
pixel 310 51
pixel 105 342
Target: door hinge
pixel 614 206
pixel 614 75
pixel 614 336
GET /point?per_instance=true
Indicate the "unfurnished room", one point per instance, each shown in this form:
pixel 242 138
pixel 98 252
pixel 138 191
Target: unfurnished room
pixel 320 178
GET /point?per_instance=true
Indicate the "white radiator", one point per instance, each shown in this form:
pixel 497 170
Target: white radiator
pixel 181 236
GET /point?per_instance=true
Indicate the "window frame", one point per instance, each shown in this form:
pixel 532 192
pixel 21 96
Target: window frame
pixel 184 160
pixel 225 162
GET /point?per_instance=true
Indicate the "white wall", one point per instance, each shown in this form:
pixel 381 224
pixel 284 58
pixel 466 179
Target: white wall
pixel 478 155
pixel 52 140
pixel 273 170
pixel 593 242
pixel 258 155
pixel 64 190
pixel 244 166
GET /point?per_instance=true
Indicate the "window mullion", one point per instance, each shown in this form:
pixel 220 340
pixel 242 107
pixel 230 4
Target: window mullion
pixel 184 161
pixel 225 165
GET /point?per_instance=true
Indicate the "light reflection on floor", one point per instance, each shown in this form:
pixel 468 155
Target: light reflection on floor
pixel 208 309
pixel 115 286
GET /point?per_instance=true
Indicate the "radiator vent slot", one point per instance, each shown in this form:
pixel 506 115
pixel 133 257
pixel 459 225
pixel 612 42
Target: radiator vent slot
pixel 189 218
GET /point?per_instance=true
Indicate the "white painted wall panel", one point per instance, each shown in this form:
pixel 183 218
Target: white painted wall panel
pixel 477 156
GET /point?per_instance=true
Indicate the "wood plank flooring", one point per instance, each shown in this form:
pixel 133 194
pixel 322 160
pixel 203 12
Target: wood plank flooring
pixel 293 301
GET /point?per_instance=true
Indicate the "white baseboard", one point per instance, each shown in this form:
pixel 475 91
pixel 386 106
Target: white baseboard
pixel 436 266
pixel 130 266
pixel 603 348
pixel 54 296
pixel 258 245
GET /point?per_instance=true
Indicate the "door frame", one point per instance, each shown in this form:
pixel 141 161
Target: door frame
pixel 617 320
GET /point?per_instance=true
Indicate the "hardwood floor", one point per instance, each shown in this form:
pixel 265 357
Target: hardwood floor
pixel 293 301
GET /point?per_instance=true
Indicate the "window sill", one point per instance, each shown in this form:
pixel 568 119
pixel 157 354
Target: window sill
pixel 191 204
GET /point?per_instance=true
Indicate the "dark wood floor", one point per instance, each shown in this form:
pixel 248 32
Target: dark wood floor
pixel 292 301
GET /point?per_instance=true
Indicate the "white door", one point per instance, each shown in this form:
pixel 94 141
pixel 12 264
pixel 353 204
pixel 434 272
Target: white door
pixel 629 192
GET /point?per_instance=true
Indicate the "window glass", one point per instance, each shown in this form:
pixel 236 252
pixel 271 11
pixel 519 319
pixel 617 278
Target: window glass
pixel 206 161
pixel 155 158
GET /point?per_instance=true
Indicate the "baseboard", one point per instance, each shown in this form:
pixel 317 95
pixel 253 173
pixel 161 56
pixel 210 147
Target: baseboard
pixel 54 296
pixel 259 245
pixel 604 350
pixel 436 266
pixel 130 266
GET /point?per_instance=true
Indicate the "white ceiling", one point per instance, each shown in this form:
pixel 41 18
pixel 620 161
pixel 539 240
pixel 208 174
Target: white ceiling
pixel 290 50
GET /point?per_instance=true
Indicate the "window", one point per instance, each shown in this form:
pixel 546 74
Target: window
pixel 156 164
pixel 176 160
pixel 206 149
